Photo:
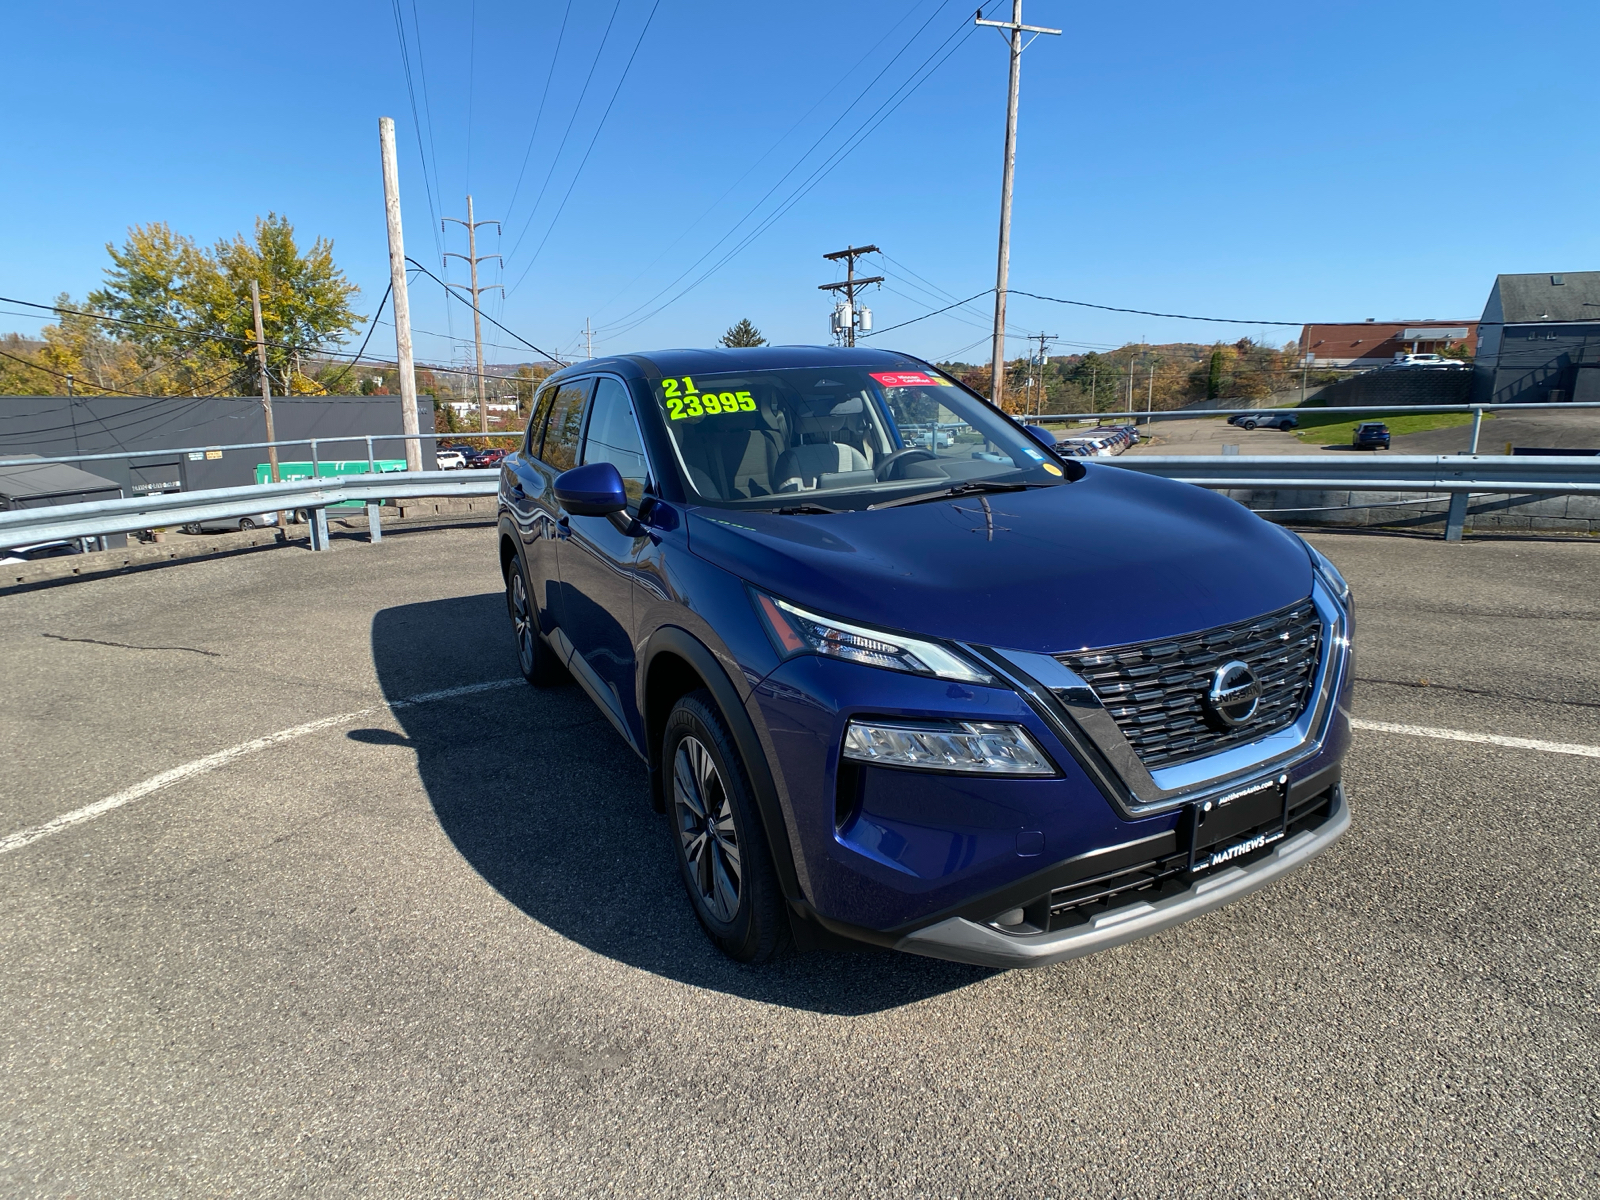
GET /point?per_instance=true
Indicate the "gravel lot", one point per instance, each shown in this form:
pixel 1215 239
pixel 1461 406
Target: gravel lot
pixel 439 950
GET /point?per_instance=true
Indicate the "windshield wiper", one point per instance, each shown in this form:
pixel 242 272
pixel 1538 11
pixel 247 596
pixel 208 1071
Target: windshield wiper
pixel 961 489
pixel 796 510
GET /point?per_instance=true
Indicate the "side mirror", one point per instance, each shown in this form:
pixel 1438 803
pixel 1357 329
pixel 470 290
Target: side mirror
pixel 1043 436
pixel 592 490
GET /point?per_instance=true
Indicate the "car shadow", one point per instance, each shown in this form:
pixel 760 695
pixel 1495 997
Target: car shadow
pixel 544 799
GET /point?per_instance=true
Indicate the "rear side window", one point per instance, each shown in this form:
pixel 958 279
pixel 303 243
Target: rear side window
pixel 613 437
pixel 541 413
pixel 566 421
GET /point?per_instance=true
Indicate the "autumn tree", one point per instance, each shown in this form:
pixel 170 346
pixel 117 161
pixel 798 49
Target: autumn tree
pixel 190 314
pixel 743 334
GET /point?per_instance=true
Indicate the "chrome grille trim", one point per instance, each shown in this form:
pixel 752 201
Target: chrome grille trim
pixel 1155 690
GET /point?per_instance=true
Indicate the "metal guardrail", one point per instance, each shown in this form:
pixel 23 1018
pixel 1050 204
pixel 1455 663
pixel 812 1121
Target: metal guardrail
pixel 62 522
pixel 1455 475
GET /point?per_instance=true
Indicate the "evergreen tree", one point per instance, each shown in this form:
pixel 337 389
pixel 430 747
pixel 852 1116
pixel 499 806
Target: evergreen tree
pixel 743 334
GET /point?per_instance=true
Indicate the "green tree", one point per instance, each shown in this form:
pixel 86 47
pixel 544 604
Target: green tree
pixel 193 312
pixel 743 334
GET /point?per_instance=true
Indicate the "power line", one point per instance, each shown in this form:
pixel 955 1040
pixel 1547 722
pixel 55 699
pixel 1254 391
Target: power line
pixel 884 111
pixel 486 317
pixel 628 66
pixel 732 187
pixel 624 323
pixel 935 313
pixel 555 158
pixel 1146 313
pixel 539 115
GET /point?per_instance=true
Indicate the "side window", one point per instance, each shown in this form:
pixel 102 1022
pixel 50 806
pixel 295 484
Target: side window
pixel 613 437
pixel 560 448
pixel 541 412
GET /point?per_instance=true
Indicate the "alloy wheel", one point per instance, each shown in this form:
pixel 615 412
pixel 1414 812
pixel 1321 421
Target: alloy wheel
pixel 706 830
pixel 522 619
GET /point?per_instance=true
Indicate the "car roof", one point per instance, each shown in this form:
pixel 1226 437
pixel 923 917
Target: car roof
pixel 731 359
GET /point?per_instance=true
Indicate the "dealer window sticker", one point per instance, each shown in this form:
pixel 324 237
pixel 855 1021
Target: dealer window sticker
pixel 903 379
pixel 683 401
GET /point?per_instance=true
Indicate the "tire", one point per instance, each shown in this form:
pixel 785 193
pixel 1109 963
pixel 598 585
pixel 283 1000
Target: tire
pixel 192 529
pixel 717 835
pixel 246 524
pixel 1249 424
pixel 536 660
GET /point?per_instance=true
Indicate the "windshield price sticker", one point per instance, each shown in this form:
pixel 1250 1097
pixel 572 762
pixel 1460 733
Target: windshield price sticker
pixel 683 400
pixel 900 379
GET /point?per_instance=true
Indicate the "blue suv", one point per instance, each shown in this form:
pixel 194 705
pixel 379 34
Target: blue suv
pixel 904 676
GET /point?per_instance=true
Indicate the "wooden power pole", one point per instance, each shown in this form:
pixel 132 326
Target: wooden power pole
pixel 850 284
pixel 402 302
pixel 997 365
pixel 473 259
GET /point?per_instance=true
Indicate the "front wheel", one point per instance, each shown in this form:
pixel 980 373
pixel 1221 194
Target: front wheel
pixel 246 524
pixel 720 844
pixel 1249 424
pixel 535 658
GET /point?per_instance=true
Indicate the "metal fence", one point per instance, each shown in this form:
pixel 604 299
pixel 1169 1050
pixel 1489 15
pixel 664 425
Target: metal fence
pixel 1455 476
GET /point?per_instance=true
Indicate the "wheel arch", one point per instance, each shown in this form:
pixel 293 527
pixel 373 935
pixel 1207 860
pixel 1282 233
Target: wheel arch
pixel 676 663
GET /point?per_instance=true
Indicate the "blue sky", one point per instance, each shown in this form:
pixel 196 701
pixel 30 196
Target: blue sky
pixel 1253 160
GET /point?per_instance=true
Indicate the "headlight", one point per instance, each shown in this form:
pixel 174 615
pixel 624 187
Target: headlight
pixel 796 631
pixel 1328 573
pixel 981 747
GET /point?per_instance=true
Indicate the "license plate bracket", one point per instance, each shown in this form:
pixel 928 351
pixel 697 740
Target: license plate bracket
pixel 1237 823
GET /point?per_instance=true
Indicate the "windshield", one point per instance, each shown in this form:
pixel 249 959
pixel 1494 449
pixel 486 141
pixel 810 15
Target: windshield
pixel 839 437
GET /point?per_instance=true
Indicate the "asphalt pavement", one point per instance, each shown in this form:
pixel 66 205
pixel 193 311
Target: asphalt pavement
pixel 438 948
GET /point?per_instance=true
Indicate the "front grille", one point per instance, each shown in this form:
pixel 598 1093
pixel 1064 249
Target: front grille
pixel 1155 690
pixel 1159 878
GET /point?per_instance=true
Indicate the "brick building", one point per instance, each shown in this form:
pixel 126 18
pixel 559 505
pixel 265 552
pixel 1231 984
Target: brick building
pixel 1372 343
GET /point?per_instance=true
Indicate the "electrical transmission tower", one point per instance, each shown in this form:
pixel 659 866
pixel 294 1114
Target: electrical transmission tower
pixel 997 365
pixel 847 319
pixel 473 259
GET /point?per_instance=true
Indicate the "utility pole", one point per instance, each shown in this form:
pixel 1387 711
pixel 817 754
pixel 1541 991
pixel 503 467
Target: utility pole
pixel 1042 339
pixel 997 368
pixel 847 319
pixel 588 339
pixel 473 260
pixel 266 393
pixel 402 304
pixel 266 383
pixel 1150 400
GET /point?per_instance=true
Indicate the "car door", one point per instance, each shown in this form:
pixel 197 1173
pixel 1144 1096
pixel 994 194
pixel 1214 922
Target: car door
pixel 528 485
pixel 599 561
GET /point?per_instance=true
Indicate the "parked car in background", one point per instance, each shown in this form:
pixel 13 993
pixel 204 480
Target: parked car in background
pixel 450 459
pixel 1266 420
pixel 229 524
pixel 486 456
pixel 40 550
pixel 897 694
pixel 1370 435
pixel 1434 362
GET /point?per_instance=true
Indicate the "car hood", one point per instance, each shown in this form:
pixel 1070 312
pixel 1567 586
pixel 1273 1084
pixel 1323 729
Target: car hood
pixel 1115 557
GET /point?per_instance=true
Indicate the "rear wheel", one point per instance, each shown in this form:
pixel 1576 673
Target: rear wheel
pixel 245 523
pixel 535 658
pixel 1249 424
pixel 718 838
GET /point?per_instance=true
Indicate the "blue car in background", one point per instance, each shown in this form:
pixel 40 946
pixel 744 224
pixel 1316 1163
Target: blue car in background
pixel 958 696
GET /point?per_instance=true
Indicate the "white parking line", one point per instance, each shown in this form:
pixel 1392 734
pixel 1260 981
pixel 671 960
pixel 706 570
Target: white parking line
pixel 1492 739
pixel 211 762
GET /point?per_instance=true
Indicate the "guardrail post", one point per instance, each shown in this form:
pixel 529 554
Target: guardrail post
pixel 1477 425
pixel 313 460
pixel 371 464
pixel 1456 519
pixel 374 522
pixel 319 528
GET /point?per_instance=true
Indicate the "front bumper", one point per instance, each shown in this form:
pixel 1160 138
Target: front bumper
pixel 960 940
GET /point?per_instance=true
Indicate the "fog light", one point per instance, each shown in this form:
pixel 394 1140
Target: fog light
pixel 1011 917
pixel 980 747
